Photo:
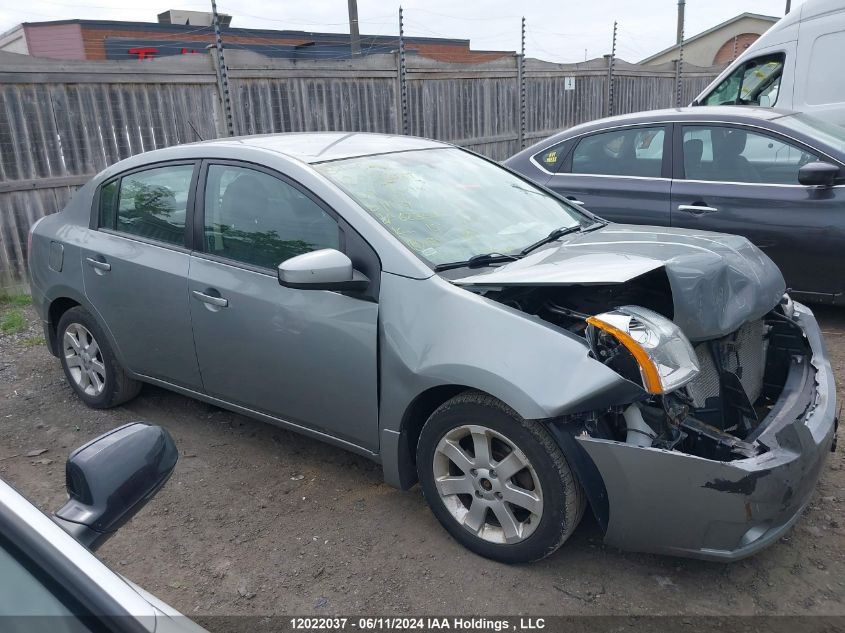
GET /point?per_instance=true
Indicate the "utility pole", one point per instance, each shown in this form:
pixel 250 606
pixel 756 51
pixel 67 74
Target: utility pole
pixel 224 72
pixel 680 34
pixel 354 35
pixel 521 73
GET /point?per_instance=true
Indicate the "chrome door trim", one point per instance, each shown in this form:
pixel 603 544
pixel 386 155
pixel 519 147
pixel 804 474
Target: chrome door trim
pixel 596 131
pixel 614 176
pixel 751 184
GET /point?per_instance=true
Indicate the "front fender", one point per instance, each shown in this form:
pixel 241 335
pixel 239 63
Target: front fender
pixel 433 334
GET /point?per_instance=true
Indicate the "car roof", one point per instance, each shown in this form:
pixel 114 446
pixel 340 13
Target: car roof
pixel 318 147
pixel 693 113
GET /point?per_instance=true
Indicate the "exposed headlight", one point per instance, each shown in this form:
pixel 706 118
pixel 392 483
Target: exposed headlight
pixel 787 306
pixel 631 338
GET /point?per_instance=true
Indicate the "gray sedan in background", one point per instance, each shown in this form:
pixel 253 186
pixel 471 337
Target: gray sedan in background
pixel 775 177
pixel 423 306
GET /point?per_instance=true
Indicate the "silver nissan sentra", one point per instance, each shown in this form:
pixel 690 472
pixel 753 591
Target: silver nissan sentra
pixel 423 306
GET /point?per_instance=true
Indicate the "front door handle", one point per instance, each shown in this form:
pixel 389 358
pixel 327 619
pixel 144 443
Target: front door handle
pixel 696 209
pixel 574 200
pixel 98 264
pixel 220 302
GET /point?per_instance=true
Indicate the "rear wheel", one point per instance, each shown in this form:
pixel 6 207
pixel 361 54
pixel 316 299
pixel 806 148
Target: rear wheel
pixel 498 483
pixel 89 363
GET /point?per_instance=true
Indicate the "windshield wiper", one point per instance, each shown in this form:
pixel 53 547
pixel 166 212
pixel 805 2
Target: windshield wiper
pixel 551 237
pixel 477 261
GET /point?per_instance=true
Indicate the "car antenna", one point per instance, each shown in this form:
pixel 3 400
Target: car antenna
pixel 199 136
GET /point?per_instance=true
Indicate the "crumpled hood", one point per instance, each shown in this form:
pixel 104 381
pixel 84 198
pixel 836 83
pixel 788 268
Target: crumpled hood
pixel 718 281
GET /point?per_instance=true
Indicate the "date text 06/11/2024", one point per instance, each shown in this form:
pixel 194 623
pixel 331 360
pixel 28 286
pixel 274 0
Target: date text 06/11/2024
pixel 457 623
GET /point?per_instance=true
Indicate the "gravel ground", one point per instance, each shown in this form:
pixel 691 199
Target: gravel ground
pixel 257 520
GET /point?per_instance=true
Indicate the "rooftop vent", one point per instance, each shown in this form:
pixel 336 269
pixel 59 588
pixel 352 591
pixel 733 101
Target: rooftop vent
pixel 192 18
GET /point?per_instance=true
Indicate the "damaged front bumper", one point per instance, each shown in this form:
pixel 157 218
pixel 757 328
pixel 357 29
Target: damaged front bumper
pixel 669 502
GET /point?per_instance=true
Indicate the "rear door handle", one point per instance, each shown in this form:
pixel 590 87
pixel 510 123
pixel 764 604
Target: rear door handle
pixel 574 200
pixel 98 264
pixel 696 209
pixel 220 302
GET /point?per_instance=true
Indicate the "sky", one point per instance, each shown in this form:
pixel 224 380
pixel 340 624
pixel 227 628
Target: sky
pixel 557 30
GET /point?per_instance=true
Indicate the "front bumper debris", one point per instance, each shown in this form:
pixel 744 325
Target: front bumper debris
pixel 670 502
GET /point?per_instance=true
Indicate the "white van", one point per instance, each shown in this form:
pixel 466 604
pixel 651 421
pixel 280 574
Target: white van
pixel 796 65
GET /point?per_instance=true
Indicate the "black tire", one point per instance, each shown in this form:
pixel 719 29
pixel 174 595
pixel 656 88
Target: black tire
pixel 117 386
pixel 563 499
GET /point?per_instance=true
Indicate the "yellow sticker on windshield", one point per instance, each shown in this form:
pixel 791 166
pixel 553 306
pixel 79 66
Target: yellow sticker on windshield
pixel 551 157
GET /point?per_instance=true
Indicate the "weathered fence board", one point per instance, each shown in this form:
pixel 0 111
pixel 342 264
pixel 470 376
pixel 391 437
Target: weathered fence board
pixel 63 121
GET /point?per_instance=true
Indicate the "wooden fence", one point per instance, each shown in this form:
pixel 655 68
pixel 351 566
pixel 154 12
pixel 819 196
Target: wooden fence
pixel 63 121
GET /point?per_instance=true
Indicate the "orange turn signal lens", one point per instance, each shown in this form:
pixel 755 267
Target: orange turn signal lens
pixel 651 377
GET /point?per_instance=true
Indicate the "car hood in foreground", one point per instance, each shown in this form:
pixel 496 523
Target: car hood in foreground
pixel 718 281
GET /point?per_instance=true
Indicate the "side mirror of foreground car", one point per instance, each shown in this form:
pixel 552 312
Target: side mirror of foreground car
pixel 110 478
pixel 326 269
pixel 818 174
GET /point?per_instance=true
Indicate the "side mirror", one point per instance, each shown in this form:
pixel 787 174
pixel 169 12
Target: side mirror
pixel 818 174
pixel 110 478
pixel 326 269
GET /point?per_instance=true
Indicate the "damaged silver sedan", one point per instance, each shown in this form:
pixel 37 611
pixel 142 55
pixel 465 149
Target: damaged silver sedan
pixel 415 303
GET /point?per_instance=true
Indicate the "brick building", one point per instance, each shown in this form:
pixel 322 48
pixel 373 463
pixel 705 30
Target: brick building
pixel 185 32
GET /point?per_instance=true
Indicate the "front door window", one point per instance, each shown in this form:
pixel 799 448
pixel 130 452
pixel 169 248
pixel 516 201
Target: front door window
pixel 255 218
pixel 719 153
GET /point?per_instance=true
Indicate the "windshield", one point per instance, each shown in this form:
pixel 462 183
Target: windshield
pixel 828 133
pixel 448 205
pixel 755 82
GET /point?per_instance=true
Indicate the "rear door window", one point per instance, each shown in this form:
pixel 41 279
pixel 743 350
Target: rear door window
pixel 551 158
pixel 624 152
pixel 152 203
pixel 108 203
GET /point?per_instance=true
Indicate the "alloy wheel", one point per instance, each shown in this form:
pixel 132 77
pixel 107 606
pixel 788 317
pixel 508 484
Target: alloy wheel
pixel 488 484
pixel 84 360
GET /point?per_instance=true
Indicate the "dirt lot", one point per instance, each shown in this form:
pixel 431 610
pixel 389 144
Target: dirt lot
pixel 257 520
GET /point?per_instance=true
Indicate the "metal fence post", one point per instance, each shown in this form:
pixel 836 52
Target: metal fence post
pixel 403 86
pixel 679 69
pixel 520 72
pixel 610 65
pixel 224 73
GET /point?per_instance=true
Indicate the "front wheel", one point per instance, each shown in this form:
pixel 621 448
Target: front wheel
pixel 498 483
